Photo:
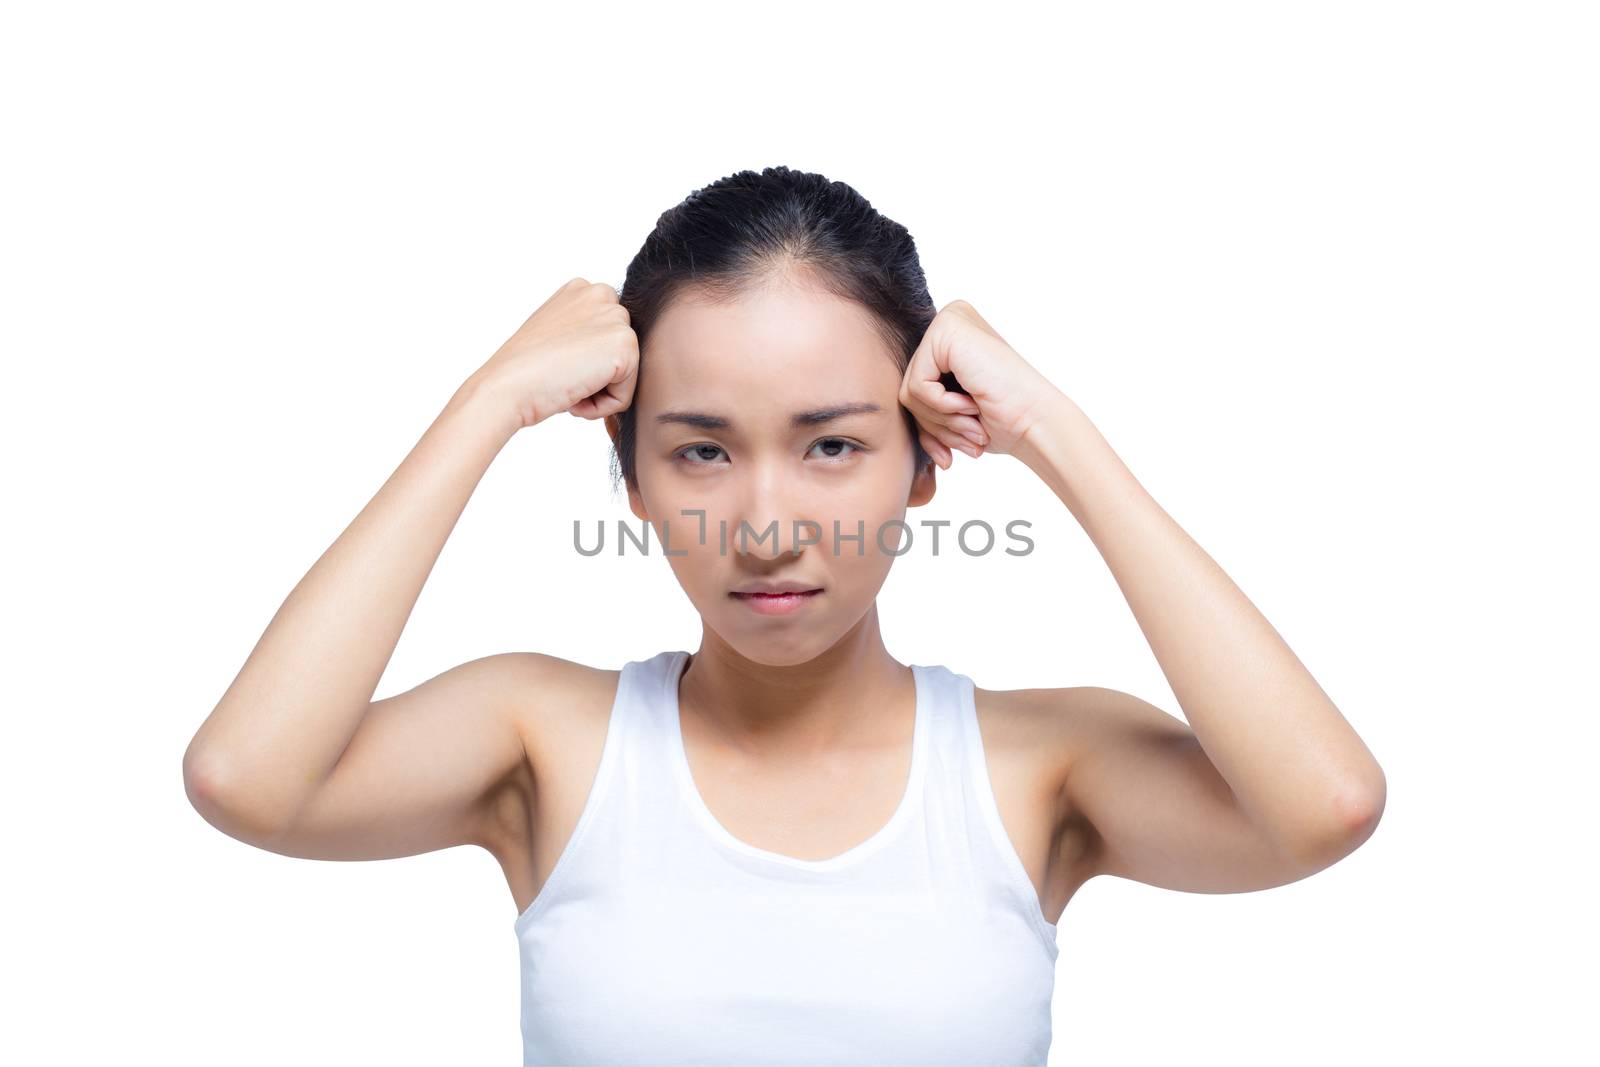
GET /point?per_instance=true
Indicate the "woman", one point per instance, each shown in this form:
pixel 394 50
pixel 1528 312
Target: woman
pixel 785 847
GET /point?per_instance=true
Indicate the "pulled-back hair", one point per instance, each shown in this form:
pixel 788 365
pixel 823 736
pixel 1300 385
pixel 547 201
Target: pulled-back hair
pixel 748 229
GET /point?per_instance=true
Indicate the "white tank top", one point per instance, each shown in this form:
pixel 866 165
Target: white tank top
pixel 661 939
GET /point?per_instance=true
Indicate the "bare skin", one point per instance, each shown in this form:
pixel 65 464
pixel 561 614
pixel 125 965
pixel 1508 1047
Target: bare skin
pixel 1269 785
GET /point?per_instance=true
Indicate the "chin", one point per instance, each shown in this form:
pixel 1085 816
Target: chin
pixel 780 646
pixel 779 653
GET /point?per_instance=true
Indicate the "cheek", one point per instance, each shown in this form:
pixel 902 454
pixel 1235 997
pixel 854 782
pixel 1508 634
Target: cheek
pixel 869 535
pixel 872 501
pixel 700 573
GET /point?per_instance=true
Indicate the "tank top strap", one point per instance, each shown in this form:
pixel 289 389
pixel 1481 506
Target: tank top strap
pixel 641 787
pixel 649 730
pixel 961 806
pixel 622 786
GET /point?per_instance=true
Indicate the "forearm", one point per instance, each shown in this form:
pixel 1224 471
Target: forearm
pixel 294 706
pixel 1294 764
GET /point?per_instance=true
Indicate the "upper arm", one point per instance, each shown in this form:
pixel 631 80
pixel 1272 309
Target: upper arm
pixel 425 768
pixel 1160 811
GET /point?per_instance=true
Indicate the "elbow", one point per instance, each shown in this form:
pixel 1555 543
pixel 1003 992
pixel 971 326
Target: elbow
pixel 1351 818
pixel 1358 806
pixel 201 775
pixel 205 782
pixel 213 791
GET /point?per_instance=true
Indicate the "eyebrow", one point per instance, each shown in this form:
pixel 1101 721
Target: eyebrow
pixel 816 416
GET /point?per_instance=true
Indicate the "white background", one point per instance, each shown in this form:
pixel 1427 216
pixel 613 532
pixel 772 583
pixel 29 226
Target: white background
pixel 1324 275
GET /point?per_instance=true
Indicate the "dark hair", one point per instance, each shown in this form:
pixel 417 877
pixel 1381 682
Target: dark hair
pixel 746 229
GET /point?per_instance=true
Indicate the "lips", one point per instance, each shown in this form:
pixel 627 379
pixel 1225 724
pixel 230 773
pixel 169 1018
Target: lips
pixel 782 603
pixel 787 585
pixel 778 596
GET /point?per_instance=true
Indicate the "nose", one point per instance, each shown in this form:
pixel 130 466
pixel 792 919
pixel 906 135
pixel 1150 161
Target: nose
pixel 771 521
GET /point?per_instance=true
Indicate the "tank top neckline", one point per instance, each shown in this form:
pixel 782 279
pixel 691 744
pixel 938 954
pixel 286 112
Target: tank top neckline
pixel 679 757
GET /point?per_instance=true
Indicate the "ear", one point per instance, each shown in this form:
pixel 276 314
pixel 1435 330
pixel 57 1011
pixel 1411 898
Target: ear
pixel 635 501
pixel 636 505
pixel 923 484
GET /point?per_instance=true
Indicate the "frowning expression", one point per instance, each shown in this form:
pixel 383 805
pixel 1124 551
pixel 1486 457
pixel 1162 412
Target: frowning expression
pixel 776 415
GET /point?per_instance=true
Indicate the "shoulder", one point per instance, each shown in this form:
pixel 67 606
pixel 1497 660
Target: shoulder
pixel 1033 736
pixel 1068 722
pixel 537 680
pixel 1054 722
pixel 549 697
pixel 557 707
pixel 1041 735
pixel 1032 740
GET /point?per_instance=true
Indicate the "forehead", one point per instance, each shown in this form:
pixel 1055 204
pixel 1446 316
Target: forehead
pixel 775 348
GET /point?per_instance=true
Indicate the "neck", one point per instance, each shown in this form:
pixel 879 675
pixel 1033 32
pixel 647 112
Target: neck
pixel 843 697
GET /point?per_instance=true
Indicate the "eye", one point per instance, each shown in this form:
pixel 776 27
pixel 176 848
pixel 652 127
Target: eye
pixel 838 441
pixel 699 450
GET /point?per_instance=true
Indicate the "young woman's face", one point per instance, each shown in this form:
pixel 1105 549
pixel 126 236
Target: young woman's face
pixel 780 408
